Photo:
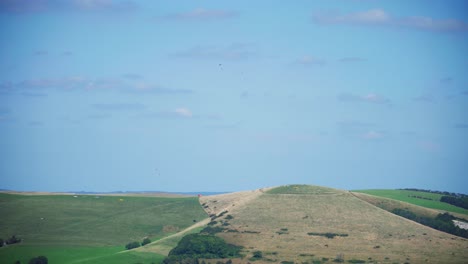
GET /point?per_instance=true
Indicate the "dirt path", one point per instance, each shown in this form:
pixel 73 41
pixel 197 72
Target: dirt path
pixel 216 204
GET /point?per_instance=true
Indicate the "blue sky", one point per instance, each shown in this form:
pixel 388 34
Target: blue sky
pixel 106 95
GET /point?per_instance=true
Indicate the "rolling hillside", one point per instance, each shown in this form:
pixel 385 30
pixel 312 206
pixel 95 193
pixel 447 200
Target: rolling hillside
pixel 291 223
pixel 286 224
pixel 425 199
pixel 90 228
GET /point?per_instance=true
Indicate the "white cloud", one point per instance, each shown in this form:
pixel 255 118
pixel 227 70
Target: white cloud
pixel 429 146
pixel 83 83
pixel 183 112
pixel 373 135
pixel 310 61
pixel 379 17
pixel 373 16
pixel 38 6
pixel 119 107
pixel 200 14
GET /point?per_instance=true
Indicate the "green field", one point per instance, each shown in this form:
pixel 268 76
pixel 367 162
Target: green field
pixel 77 255
pixel 408 196
pixel 88 228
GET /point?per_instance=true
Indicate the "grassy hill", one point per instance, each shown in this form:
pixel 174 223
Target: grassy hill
pixel 90 228
pixel 286 224
pixel 425 199
pixel 293 223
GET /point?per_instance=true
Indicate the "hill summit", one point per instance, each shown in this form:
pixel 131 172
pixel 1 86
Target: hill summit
pixel 312 224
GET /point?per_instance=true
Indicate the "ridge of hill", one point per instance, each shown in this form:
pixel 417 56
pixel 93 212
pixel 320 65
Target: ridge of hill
pixel 303 223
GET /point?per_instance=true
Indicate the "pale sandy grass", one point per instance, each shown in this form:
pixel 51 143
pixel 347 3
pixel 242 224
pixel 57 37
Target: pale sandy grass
pixel 372 232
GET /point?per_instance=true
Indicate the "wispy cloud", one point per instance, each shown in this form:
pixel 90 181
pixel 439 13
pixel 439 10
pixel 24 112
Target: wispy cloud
pixel 379 17
pixel 200 14
pixel 358 129
pixel 183 112
pixel 83 83
pixel 119 107
pixel 41 52
pixel 310 61
pixel 235 51
pixel 67 53
pixel 355 124
pixel 133 76
pixel 368 98
pixel 373 135
pixel 38 6
pixel 424 98
pixel 351 59
pixel 429 146
pixel 177 113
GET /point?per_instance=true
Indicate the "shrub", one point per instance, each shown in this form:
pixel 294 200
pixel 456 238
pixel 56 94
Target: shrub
pixel 339 258
pixel 38 260
pixel 212 223
pixel 257 255
pixel 12 240
pixel 212 230
pixel 196 246
pixel 145 241
pixel 327 235
pixel 442 222
pixel 356 261
pixel 131 245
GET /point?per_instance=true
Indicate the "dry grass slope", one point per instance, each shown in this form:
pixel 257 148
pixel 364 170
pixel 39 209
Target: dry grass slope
pixel 277 222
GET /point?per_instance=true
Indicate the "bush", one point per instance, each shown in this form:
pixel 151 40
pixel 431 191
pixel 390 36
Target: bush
pixel 39 260
pixel 199 246
pixel 12 240
pixel 327 235
pixel 457 201
pixel 229 217
pixel 145 241
pixel 132 245
pixel 442 222
pixel 212 230
pixel 257 255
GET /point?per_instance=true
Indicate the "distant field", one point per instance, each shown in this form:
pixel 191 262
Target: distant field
pixel 409 197
pixel 67 228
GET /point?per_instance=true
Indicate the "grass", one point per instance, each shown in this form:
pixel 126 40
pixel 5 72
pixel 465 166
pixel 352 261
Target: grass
pixel 302 189
pixel 164 246
pixel 76 255
pixel 87 220
pixel 312 209
pixel 409 197
pixel 68 229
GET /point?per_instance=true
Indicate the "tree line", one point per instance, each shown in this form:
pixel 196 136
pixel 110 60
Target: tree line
pixel 442 222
